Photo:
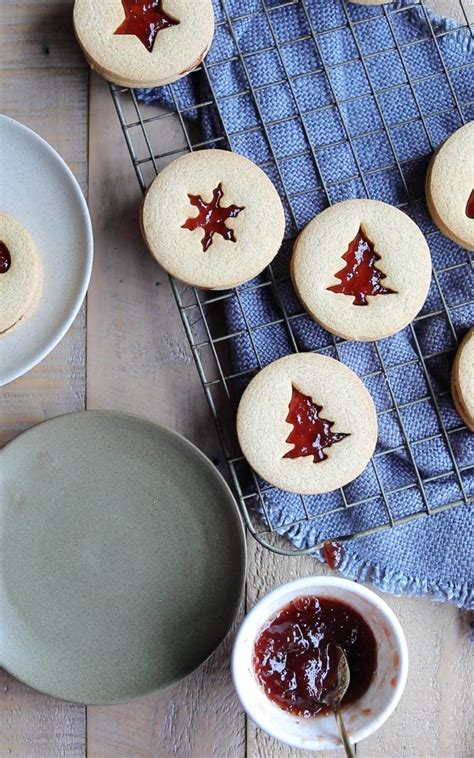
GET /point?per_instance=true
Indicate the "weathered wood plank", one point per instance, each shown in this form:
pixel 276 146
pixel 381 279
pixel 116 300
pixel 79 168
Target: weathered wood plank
pixel 433 717
pixel 36 726
pixel 138 360
pixel 197 719
pixel 38 34
pixel 138 357
pixel 53 103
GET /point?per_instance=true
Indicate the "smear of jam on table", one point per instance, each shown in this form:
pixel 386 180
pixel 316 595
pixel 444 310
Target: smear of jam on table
pixel 470 205
pixel 360 277
pixel 295 658
pixel 312 433
pixel 212 217
pixel 5 258
pixel 145 20
pixel 333 553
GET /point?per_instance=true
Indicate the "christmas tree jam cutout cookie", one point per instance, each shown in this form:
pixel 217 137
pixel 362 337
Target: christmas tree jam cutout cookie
pixel 392 249
pixel 145 20
pixel 360 277
pixel 143 44
pixel 462 380
pixel 312 433
pixel 270 435
pixel 449 187
pixel 213 219
pixel 21 274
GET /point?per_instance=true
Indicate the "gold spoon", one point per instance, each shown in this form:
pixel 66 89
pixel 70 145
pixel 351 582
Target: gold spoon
pixel 334 696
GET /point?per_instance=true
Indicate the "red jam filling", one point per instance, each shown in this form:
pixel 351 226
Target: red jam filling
pixel 212 217
pixel 296 658
pixel 470 205
pixel 311 433
pixel 5 258
pixel 333 553
pixel 145 20
pixel 360 277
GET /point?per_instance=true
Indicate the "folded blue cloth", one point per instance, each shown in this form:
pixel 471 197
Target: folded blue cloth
pixel 295 130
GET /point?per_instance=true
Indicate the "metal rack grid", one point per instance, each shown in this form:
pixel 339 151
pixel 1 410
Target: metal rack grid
pixel 201 312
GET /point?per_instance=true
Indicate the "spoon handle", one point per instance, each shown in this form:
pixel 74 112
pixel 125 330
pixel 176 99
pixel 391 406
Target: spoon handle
pixel 342 731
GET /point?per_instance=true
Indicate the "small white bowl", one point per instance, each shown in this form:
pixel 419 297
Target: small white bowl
pixel 363 717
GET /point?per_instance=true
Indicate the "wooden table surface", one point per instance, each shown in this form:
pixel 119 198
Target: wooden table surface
pixel 127 351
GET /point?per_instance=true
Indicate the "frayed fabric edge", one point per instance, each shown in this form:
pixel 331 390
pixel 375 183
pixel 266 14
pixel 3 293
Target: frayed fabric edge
pixel 398 583
pixel 392 581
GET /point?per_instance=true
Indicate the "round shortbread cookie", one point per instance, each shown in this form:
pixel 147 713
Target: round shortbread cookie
pixel 21 274
pixel 462 380
pixel 449 187
pixel 144 44
pixel 213 219
pixel 362 269
pixel 307 424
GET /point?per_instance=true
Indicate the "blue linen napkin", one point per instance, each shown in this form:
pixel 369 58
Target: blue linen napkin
pixel 303 146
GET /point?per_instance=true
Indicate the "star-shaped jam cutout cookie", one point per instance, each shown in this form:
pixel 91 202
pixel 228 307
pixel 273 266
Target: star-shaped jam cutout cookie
pixel 145 20
pixel 212 217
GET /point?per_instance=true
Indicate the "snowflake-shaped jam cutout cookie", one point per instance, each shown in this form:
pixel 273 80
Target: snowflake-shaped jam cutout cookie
pixel 212 217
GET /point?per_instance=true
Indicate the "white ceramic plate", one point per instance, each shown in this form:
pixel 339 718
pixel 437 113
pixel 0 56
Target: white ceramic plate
pixel 39 190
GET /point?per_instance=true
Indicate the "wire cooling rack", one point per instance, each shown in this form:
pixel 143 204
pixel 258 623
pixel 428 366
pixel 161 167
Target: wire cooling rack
pixel 211 337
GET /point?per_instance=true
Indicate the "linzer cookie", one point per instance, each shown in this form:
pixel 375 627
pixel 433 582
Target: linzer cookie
pixel 462 380
pixel 213 219
pixel 143 44
pixel 21 274
pixel 307 424
pixel 450 187
pixel 362 269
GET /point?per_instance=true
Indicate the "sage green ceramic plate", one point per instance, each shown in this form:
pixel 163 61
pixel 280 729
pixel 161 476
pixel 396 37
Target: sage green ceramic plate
pixel 122 557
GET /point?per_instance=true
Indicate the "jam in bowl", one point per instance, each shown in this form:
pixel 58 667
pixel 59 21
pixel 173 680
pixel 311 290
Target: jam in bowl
pixel 286 654
pixel 296 656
